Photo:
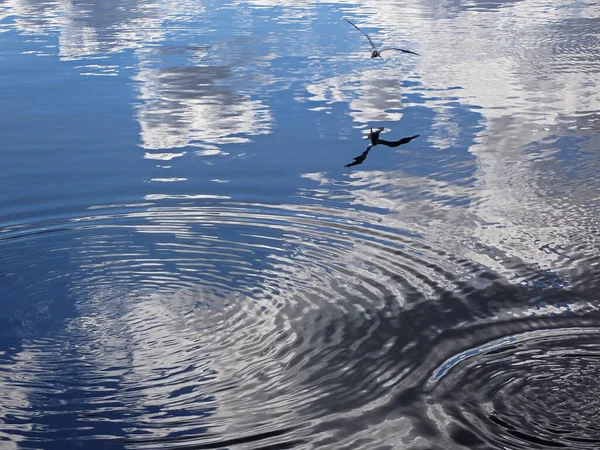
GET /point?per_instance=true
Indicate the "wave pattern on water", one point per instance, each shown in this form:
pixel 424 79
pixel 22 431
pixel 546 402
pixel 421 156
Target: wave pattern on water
pixel 242 290
pixel 536 389
pixel 233 324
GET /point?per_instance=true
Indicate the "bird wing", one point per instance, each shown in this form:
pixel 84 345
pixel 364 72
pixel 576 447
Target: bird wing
pixel 360 158
pixel 402 141
pixel 399 50
pixel 372 45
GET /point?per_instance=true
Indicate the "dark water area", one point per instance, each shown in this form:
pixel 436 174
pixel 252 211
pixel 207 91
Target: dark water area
pixel 225 225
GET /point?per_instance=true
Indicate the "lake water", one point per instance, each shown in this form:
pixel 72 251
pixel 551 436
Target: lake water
pixel 200 250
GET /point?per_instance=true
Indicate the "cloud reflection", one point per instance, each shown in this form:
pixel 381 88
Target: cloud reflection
pixel 373 95
pixel 194 106
pixel 528 69
pixel 180 105
pixel 507 211
pixel 514 87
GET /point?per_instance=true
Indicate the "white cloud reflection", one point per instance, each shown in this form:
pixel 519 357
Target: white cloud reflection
pixel 187 106
pixel 194 104
pixel 374 95
pixel 515 64
pixel 531 74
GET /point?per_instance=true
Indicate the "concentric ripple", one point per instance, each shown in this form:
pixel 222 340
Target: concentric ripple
pixel 199 326
pixel 231 324
pixel 537 389
pixel 236 287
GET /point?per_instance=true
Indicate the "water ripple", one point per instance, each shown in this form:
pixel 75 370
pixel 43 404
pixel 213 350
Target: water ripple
pixel 531 390
pixel 441 296
pixel 236 323
pixel 189 325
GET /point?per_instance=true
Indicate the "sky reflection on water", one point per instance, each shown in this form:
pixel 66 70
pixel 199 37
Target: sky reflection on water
pixel 187 261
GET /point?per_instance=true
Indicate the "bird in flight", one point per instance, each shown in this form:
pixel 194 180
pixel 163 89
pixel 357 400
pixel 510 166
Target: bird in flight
pixel 377 53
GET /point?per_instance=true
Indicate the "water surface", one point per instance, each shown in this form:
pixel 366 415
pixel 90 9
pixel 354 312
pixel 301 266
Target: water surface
pixel 187 262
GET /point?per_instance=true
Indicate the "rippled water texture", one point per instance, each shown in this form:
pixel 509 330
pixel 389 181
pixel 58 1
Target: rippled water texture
pixel 200 250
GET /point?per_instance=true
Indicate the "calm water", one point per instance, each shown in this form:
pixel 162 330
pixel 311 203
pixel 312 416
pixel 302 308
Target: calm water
pixel 188 264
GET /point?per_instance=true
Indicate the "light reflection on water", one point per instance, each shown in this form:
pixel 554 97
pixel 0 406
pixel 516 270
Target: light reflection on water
pixel 186 261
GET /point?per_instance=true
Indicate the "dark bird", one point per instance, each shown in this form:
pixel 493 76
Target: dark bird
pixel 375 140
pixel 360 158
pixel 377 53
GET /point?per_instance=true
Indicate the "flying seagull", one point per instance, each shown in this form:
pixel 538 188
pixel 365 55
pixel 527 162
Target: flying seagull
pixel 377 53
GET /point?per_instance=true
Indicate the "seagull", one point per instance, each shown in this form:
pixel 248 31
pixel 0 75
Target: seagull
pixel 377 53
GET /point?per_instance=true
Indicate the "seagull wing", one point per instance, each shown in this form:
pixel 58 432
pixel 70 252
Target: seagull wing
pixel 372 45
pixel 399 50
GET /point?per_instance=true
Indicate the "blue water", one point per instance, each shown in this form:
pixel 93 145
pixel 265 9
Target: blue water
pixel 208 242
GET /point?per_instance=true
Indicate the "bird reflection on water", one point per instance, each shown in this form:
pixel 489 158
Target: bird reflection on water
pixel 375 140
